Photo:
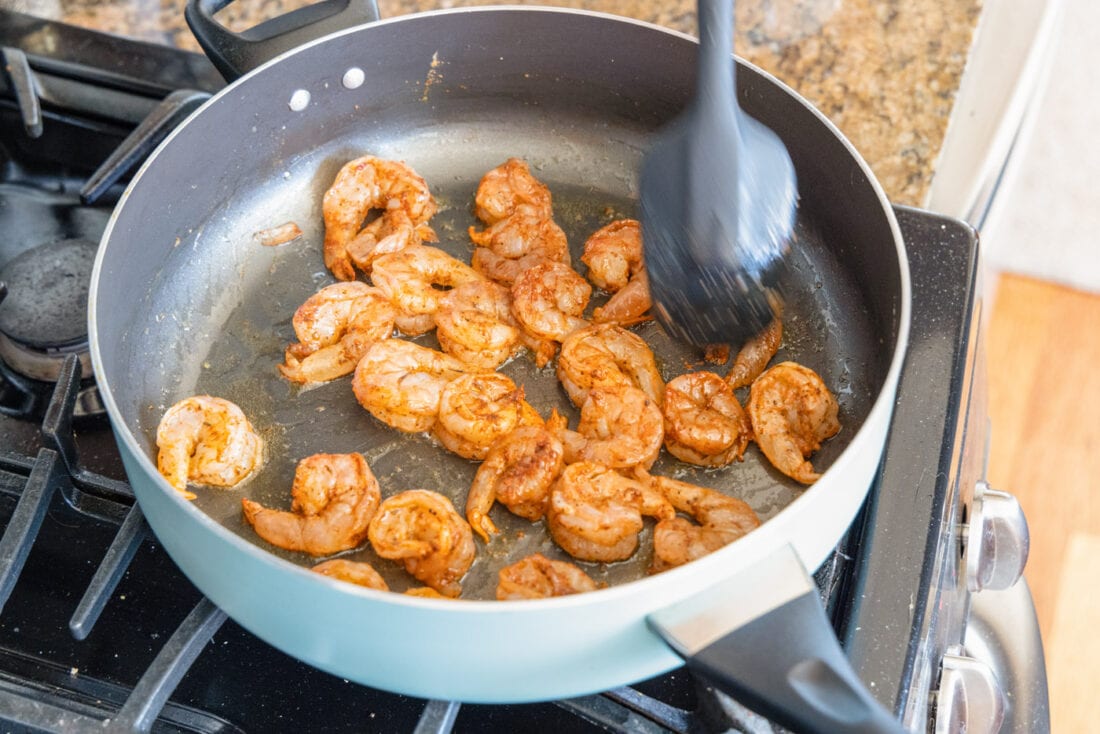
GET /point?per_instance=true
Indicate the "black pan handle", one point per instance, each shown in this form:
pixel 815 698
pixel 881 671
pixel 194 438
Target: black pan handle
pixel 236 54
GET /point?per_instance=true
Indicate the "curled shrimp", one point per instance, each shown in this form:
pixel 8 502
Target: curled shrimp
pixel 620 427
pixel 352 572
pixel 477 409
pixel 628 306
pixel 606 355
pixel 334 497
pixel 410 277
pixel 335 326
pixel 206 440
pixel 362 185
pixel 613 254
pixel 391 232
pixel 508 186
pixel 549 298
pixel 792 412
pixel 475 324
pixel 507 248
pixel 720 520
pixel 704 423
pixel 595 513
pixel 421 529
pixel 518 472
pixel 538 577
pixel 755 354
pixel 401 383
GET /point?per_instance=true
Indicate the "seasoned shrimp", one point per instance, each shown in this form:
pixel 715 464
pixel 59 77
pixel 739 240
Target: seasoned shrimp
pixel 475 323
pixel 508 186
pixel 538 577
pixel 334 497
pixel 721 520
pixel 755 355
pixel 362 185
pixel 613 254
pixel 704 423
pixel 206 440
pixel 401 383
pixel 353 572
pixel 409 277
pixel 606 355
pixel 521 241
pixel 595 513
pixel 421 529
pixel 628 306
pixel 335 326
pixel 392 231
pixel 549 298
pixel 518 472
pixel 620 427
pixel 792 412
pixel 477 409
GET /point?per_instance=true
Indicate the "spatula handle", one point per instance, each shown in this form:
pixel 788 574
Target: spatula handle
pixel 716 74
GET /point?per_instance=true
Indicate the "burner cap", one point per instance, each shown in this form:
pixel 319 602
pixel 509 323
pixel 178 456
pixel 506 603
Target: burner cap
pixel 47 302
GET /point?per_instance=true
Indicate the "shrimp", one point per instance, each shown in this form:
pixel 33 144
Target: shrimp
pixel 353 572
pixel 628 306
pixel 206 440
pixel 613 254
pixel 595 513
pixel 538 577
pixel 792 412
pixel 334 497
pixel 401 383
pixel 409 278
pixel 421 529
pixel 391 232
pixel 335 326
pixel 475 324
pixel 521 241
pixel 507 187
pixel 721 520
pixel 755 355
pixel 606 355
pixel 364 184
pixel 548 300
pixel 517 472
pixel 620 427
pixel 477 409
pixel 704 423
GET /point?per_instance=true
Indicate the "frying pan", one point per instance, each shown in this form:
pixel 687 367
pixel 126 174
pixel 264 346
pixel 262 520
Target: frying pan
pixel 184 301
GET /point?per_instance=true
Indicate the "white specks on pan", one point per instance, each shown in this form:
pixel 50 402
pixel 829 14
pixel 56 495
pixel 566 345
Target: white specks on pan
pixel 299 100
pixel 353 78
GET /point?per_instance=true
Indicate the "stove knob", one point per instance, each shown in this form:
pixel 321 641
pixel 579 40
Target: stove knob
pixel 970 698
pixel 997 540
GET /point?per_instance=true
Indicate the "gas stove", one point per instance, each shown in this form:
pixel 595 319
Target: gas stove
pixel 98 625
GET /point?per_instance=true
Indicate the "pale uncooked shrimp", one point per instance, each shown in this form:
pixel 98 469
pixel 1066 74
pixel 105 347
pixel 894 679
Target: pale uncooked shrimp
pixel 477 409
pixel 549 298
pixel 362 185
pixel 628 306
pixel 421 529
pixel 333 498
pixel 755 354
pixel 335 326
pixel 595 513
pixel 606 355
pixel 475 323
pixel 392 231
pixel 620 427
pixel 352 572
pixel 720 519
pixel 704 423
pixel 613 254
pixel 400 383
pixel 206 440
pixel 517 472
pixel 792 412
pixel 507 187
pixel 521 241
pixel 538 577
pixel 415 278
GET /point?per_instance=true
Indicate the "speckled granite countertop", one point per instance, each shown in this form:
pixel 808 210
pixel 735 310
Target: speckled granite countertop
pixel 886 72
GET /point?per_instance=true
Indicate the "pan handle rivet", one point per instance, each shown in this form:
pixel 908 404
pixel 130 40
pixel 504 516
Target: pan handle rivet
pixel 299 100
pixel 354 78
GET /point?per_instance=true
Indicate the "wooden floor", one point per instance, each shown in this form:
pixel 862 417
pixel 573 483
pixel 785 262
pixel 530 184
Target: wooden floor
pixel 1044 351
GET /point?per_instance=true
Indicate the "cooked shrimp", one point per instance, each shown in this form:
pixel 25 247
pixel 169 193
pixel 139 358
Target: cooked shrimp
pixel 613 254
pixel 521 241
pixel 206 440
pixel 620 427
pixel 400 383
pixel 475 323
pixel 335 326
pixel 334 497
pixel 353 572
pixel 410 277
pixel 755 355
pixel 392 231
pixel 507 187
pixel 595 513
pixel 792 412
pixel 421 529
pixel 704 423
pixel 538 577
pixel 477 409
pixel 606 355
pixel 517 471
pixel 548 300
pixel 628 306
pixel 721 520
pixel 362 185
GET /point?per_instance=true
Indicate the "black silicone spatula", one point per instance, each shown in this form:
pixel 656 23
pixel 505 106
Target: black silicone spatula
pixel 718 199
